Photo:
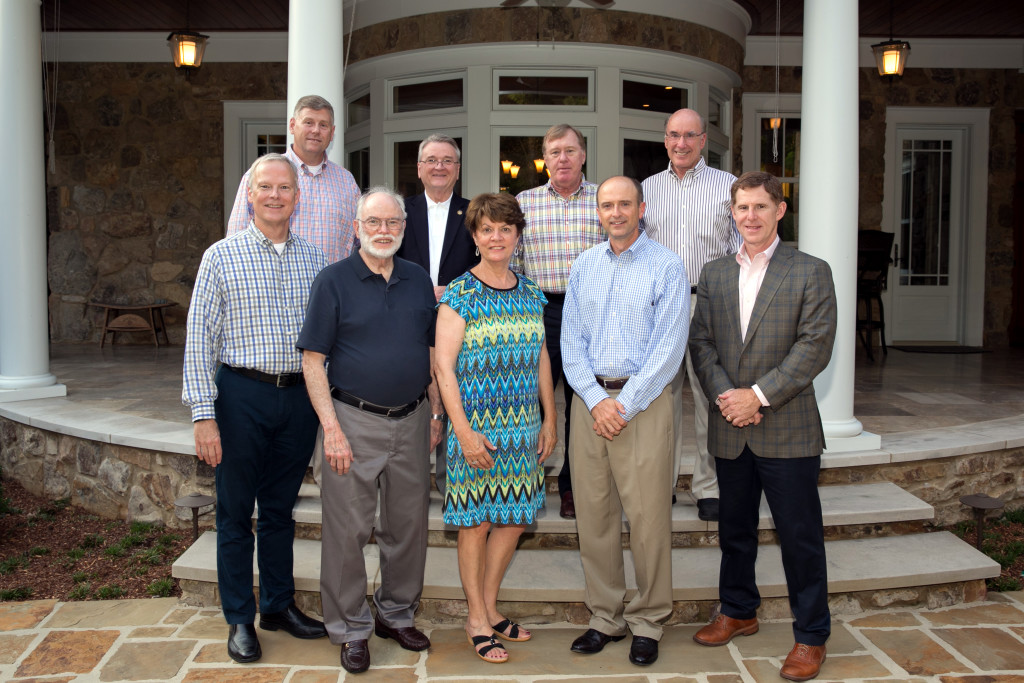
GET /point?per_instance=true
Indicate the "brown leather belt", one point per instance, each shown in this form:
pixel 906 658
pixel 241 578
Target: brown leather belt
pixel 611 382
pixel 386 411
pixel 287 379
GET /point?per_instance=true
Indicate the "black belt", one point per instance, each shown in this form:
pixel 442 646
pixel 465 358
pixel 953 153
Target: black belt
pixel 287 379
pixel 555 297
pixel 693 289
pixel 611 382
pixel 355 401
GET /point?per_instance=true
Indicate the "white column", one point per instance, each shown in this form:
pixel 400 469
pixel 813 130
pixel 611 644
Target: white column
pixel 24 343
pixel 829 185
pixel 316 54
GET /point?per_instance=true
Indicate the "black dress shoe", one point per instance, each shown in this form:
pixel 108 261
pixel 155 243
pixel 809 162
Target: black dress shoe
pixel 707 509
pixel 293 621
pixel 644 651
pixel 409 637
pixel 567 510
pixel 593 641
pixel 243 645
pixel 355 656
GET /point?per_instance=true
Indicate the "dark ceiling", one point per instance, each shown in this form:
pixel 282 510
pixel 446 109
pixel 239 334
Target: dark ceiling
pixel 911 18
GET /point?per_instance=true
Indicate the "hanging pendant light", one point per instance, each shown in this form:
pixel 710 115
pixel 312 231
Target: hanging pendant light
pixel 891 55
pixel 187 47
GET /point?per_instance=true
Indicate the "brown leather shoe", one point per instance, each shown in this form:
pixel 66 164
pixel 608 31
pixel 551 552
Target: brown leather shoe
pixel 803 662
pixel 409 637
pixel 355 656
pixel 723 629
pixel 568 507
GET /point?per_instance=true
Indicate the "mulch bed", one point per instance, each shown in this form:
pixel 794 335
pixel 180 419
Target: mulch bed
pixel 49 549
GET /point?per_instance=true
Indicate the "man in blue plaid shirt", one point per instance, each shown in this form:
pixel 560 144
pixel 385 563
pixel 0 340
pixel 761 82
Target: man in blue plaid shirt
pixel 252 418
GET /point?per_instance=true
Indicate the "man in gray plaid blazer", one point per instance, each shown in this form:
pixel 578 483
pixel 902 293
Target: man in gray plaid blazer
pixel 763 329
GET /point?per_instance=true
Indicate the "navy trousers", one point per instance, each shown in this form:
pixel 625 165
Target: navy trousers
pixel 790 486
pixel 552 340
pixel 267 435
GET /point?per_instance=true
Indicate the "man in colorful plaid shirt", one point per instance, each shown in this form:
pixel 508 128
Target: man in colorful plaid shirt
pixel 561 223
pixel 329 192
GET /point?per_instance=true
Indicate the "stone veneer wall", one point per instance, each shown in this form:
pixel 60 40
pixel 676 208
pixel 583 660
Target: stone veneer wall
pixel 1000 91
pixel 131 483
pixel 137 191
pixel 114 482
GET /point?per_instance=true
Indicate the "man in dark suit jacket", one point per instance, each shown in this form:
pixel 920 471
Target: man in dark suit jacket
pixel 763 329
pixel 436 237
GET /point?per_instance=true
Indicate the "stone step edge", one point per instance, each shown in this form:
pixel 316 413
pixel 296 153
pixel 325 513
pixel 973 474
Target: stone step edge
pixel 842 505
pixel 557 575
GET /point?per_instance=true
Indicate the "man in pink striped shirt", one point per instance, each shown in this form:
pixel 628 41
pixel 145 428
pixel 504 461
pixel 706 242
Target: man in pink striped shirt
pixel 324 215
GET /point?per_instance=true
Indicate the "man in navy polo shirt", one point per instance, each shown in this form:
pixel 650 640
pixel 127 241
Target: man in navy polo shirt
pixel 372 317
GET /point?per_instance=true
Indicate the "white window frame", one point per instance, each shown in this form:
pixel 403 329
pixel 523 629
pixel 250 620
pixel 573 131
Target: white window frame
pixel 689 86
pixel 432 77
pixel 589 74
pixel 240 120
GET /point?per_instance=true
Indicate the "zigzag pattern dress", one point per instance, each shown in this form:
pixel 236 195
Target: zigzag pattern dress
pixel 497 371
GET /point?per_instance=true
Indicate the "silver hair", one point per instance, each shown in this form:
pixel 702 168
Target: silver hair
pixel 269 158
pixel 380 189
pixel 439 137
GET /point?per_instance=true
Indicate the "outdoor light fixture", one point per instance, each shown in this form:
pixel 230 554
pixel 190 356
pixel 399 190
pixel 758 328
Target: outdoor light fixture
pixel 891 55
pixel 514 171
pixel 775 122
pixel 538 164
pixel 506 165
pixel 187 49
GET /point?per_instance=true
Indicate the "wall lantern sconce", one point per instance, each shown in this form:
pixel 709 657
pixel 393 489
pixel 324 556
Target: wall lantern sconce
pixel 891 55
pixel 187 49
pixel 538 164
pixel 775 122
pixel 506 165
pixel 514 171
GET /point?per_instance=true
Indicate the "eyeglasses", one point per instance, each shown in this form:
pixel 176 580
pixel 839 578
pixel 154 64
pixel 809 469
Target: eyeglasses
pixel 374 223
pixel 447 162
pixel 689 137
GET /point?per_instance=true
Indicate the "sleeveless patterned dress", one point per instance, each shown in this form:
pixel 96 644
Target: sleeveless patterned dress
pixel 497 371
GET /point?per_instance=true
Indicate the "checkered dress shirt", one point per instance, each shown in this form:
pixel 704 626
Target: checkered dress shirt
pixel 247 308
pixel 557 231
pixel 324 214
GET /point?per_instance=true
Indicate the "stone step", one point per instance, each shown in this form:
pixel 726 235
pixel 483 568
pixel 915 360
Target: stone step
pixel 842 505
pixel 556 576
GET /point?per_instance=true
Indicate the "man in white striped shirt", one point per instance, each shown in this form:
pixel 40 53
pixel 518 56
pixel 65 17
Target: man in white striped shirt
pixel 688 212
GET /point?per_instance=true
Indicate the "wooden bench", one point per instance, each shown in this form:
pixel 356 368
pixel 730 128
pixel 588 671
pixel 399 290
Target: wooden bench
pixel 127 318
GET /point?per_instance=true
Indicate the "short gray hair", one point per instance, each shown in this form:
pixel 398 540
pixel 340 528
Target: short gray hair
pixel 439 137
pixel 380 189
pixel 314 102
pixel 271 158
pixel 703 123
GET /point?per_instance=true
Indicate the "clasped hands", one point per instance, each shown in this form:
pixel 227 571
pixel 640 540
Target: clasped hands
pixel 740 407
pixel 608 418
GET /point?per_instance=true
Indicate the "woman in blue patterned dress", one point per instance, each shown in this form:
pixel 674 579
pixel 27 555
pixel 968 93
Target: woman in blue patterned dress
pixel 495 376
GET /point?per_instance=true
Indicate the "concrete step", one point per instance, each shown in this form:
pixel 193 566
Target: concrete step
pixel 556 576
pixel 842 505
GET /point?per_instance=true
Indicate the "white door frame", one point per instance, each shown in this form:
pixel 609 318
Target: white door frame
pixel 236 115
pixel 974 123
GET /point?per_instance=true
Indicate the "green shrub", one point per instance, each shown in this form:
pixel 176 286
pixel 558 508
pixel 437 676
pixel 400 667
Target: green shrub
pixel 39 550
pixel 12 563
pixel 161 588
pixel 109 592
pixel 152 556
pixel 115 550
pixel 92 541
pixel 13 594
pixel 80 592
pixel 1015 516
pixel 132 540
pixel 141 527
pixel 79 577
pixel 1003 583
pixel 168 539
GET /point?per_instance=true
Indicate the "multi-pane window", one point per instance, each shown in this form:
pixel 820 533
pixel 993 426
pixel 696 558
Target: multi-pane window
pixel 780 156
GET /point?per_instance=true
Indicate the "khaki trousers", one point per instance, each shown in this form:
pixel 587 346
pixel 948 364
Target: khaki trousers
pixel 609 477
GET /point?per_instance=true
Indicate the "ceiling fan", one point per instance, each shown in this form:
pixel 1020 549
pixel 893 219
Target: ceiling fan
pixel 599 4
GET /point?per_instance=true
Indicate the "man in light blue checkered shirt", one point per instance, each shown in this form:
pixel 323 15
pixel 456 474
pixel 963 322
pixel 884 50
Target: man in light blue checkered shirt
pixel 624 328
pixel 252 417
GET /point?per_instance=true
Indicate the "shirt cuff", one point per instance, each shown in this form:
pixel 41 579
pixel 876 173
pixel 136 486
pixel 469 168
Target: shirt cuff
pixel 203 411
pixel 593 395
pixel 760 396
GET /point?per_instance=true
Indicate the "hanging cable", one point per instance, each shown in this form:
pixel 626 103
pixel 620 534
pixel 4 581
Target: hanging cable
pixel 50 84
pixel 348 43
pixel 778 39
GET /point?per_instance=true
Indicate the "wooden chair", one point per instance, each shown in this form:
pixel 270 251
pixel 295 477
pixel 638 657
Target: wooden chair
pixel 873 260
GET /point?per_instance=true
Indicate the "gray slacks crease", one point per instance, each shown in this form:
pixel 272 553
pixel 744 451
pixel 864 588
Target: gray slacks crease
pixel 390 456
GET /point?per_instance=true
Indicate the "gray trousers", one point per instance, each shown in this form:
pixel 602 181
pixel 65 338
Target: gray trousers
pixel 390 456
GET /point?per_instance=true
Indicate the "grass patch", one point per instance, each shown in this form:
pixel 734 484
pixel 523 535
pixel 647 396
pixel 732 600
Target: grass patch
pixel 92 541
pixel 39 550
pixel 79 577
pixel 115 550
pixel 12 564
pixel 15 594
pixel 161 588
pixel 168 539
pixel 143 528
pixel 1003 583
pixel 151 556
pixel 132 539
pixel 109 592
pixel 81 591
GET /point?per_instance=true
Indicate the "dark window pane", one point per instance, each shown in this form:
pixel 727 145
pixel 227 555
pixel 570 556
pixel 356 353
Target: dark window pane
pixel 522 151
pixel 642 158
pixel 359 167
pixel 543 90
pixel 715 160
pixel 359 110
pixel 652 97
pixel 407 181
pixel 426 96
pixel 269 143
pixel 715 113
